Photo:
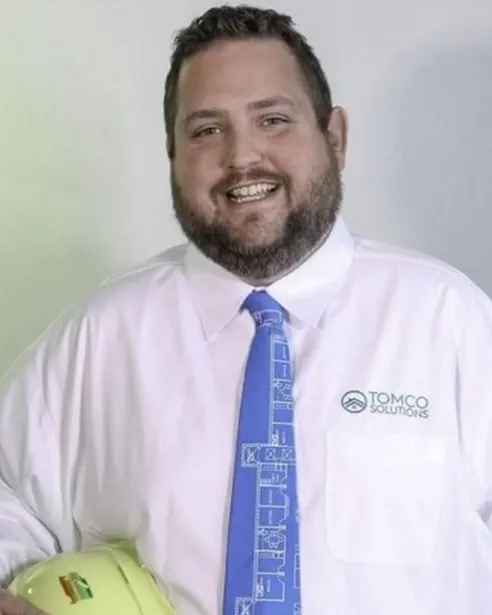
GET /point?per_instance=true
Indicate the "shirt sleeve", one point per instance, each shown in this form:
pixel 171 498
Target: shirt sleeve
pixel 32 514
pixel 27 473
pixel 474 395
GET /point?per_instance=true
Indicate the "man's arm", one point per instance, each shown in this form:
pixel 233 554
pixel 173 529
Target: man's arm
pixel 24 539
pixel 473 310
pixel 27 474
pixel 12 605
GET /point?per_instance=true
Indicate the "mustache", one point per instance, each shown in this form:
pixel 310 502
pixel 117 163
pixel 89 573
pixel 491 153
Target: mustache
pixel 254 175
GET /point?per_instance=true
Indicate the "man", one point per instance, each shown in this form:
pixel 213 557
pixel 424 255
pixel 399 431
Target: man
pixel 129 419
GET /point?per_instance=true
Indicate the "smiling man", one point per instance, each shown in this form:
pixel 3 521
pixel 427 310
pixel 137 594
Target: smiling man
pixel 256 174
pixel 285 418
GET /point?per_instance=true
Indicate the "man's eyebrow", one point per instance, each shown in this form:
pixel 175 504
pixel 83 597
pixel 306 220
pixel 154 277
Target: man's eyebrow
pixel 257 105
pixel 273 101
pixel 203 114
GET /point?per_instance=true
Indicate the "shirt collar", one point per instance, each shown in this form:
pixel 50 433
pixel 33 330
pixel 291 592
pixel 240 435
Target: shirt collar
pixel 305 292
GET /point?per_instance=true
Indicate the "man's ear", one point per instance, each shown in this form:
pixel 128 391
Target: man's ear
pixel 338 134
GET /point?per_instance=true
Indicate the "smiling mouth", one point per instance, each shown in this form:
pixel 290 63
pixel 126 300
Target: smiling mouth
pixel 252 192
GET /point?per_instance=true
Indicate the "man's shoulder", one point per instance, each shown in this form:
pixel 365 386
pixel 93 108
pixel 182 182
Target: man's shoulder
pixel 385 254
pixel 381 255
pixel 122 299
pixel 135 285
pixel 417 270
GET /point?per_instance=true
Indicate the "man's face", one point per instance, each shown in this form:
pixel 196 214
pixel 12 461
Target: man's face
pixel 256 182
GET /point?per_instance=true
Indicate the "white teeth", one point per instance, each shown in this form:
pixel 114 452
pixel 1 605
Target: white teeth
pixel 256 191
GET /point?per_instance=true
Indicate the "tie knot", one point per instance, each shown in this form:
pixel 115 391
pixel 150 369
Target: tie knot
pixel 264 309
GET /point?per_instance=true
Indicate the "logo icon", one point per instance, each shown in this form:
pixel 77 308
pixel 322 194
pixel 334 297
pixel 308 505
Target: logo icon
pixel 76 587
pixel 354 402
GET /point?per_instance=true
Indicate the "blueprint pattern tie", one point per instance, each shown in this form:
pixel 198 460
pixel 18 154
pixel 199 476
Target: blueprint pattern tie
pixel 263 564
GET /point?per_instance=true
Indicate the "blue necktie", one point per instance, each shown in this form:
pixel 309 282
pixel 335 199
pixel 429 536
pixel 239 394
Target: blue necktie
pixel 262 569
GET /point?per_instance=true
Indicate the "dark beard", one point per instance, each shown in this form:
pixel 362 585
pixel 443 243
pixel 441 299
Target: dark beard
pixel 307 226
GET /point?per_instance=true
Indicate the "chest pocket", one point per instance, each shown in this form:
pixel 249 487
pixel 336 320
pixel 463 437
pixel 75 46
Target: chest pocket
pixel 384 495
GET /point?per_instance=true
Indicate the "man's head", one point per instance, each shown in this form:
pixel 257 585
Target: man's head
pixel 255 145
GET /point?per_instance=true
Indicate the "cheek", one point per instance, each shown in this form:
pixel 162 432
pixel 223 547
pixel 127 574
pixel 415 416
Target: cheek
pixel 197 174
pixel 298 169
pixel 311 165
pixel 300 156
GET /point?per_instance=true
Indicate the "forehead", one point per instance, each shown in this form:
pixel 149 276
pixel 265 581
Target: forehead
pixel 232 73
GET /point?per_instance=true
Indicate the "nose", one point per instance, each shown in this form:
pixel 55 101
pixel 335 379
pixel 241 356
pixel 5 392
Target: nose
pixel 242 151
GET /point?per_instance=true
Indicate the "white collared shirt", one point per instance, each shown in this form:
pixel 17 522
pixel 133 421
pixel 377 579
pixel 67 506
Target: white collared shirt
pixel 121 424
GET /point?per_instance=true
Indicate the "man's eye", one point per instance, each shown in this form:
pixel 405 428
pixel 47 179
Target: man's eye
pixel 274 120
pixel 207 131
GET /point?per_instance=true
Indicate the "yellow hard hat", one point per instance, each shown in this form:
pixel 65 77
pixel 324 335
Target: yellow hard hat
pixel 108 578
